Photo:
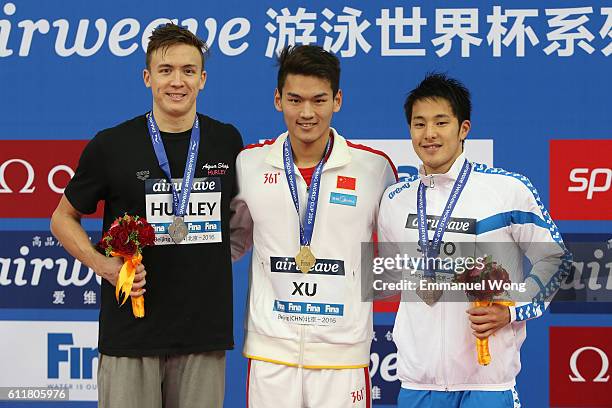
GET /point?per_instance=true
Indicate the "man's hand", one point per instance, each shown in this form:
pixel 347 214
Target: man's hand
pixel 487 320
pixel 66 226
pixel 139 281
pixel 109 267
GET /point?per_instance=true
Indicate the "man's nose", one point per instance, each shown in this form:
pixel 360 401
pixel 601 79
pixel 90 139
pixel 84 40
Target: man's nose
pixel 430 131
pixel 307 111
pixel 177 78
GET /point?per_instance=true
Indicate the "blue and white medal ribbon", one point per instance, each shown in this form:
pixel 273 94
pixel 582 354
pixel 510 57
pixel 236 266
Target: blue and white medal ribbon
pixel 433 250
pixel 180 200
pixel 305 259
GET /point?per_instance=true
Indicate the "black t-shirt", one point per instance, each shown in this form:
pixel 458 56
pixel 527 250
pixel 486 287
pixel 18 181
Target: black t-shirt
pixel 188 302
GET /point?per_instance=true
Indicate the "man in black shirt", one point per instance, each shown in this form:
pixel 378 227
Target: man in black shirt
pixel 175 355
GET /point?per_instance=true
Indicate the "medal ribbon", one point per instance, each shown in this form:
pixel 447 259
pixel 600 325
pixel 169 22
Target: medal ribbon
pixel 433 250
pixel 179 203
pixel 306 227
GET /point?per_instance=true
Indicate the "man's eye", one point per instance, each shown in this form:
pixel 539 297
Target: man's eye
pixel 418 125
pixel 321 100
pixel 442 123
pixel 164 70
pixel 189 71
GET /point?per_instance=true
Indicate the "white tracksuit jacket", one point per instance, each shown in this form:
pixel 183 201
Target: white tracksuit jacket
pixel 313 320
pixel 436 347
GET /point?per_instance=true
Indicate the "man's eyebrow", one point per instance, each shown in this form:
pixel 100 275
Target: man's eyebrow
pixel 319 95
pixel 438 116
pixel 171 66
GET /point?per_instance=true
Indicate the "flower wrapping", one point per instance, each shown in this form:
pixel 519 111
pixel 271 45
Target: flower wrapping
pixel 489 277
pixel 126 237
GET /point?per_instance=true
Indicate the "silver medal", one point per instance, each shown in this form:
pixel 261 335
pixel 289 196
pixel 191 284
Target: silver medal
pixel 178 230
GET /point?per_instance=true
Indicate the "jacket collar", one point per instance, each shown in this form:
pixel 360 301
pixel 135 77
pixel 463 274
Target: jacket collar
pixel 339 156
pixel 448 178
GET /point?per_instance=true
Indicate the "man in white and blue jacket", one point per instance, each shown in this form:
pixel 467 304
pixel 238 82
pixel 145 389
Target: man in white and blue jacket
pixel 437 362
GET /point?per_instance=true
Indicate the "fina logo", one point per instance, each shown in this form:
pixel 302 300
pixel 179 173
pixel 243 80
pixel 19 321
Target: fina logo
pixel 79 359
pixel 574 365
pixel 28 188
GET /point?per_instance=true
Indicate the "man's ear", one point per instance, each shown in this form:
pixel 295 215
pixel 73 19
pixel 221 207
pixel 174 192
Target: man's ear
pixel 203 79
pixel 277 100
pixel 464 129
pixel 146 77
pixel 338 100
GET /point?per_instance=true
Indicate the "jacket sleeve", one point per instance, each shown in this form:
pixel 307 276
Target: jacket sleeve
pixel 241 223
pixel 538 237
pixel 387 248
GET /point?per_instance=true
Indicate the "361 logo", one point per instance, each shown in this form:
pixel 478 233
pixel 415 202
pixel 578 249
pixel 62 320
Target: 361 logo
pixel 271 178
pixel 580 366
pixel 580 179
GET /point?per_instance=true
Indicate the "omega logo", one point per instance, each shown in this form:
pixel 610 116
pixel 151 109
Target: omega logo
pixel 28 188
pixel 576 377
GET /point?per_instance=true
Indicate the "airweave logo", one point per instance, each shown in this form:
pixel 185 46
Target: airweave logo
pixel 457 225
pixel 321 267
pixel 85 37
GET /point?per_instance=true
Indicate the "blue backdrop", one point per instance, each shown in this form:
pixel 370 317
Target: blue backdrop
pixel 537 72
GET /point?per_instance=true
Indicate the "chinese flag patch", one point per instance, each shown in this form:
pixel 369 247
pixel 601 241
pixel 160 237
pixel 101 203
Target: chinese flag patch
pixel 347 183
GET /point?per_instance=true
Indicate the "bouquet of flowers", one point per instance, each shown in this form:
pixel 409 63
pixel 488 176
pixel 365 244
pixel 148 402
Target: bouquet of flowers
pixel 485 283
pixel 126 237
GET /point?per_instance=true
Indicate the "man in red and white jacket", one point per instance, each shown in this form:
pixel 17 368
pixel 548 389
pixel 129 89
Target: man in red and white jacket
pixel 306 202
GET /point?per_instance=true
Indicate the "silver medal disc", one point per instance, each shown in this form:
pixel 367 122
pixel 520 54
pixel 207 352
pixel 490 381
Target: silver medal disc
pixel 178 230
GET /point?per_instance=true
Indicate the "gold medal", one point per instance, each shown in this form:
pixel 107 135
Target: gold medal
pixel 305 260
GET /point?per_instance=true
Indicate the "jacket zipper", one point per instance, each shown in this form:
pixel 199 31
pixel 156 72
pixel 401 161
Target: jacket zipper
pixel 443 349
pixel 301 359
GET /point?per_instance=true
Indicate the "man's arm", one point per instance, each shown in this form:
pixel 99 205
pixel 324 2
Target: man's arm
pixel 66 226
pixel 241 223
pixel 539 239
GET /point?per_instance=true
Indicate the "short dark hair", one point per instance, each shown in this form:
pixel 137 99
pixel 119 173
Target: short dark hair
pixel 170 34
pixel 309 60
pixel 438 85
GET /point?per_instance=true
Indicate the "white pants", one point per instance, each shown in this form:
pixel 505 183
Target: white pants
pixel 272 385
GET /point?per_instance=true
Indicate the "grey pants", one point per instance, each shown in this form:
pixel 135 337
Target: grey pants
pixel 180 381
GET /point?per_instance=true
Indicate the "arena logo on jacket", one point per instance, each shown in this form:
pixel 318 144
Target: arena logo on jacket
pixel 313 298
pixel 203 216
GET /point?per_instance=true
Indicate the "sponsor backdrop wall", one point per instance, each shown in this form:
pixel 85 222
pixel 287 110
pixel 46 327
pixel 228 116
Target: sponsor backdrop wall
pixel 539 73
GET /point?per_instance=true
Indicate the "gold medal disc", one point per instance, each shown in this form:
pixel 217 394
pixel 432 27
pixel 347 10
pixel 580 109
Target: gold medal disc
pixel 305 260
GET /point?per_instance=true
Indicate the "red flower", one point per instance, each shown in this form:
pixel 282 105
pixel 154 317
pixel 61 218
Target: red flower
pixel 146 234
pixel 127 236
pixel 485 276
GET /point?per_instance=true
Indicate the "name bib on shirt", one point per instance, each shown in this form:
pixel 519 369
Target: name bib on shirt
pixel 203 214
pixel 313 298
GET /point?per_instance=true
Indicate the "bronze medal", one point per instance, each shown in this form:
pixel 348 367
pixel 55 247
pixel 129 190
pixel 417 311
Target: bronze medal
pixel 429 296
